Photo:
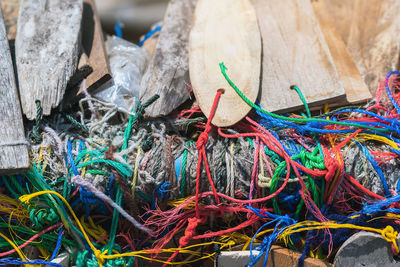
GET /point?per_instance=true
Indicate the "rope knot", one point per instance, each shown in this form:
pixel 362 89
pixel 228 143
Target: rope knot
pixel 202 140
pixel 99 255
pixel 390 235
pixel 25 199
pixel 190 231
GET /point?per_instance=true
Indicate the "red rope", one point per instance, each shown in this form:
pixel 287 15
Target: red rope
pixel 201 147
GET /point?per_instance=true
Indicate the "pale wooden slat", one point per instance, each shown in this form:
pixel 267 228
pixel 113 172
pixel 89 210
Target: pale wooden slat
pixel 47 49
pixel 294 53
pixel 168 71
pixel 371 31
pixel 225 31
pixel 14 156
pixel 354 85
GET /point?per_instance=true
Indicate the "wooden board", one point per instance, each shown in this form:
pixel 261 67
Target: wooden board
pixel 93 46
pixel 225 31
pixel 354 85
pixel 168 71
pixel 10 10
pixel 278 257
pixel 47 49
pixel 371 31
pixel 294 53
pixel 14 156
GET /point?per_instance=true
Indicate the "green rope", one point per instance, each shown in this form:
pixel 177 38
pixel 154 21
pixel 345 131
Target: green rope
pixel 132 123
pixel 10 188
pixel 36 136
pixel 38 182
pixel 75 122
pixel 148 143
pixel 140 110
pixel 122 168
pixel 183 169
pixel 296 120
pixel 144 196
pixel 303 99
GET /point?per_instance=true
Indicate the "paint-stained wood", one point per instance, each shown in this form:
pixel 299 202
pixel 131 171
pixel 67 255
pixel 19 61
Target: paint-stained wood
pixel 225 31
pixel 354 85
pixel 93 46
pixel 14 156
pixel 294 53
pixel 371 31
pixel 168 71
pixel 10 10
pixel 47 49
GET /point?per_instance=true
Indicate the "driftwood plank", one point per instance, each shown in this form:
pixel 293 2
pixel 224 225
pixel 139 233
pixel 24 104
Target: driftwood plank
pixel 225 31
pixel 47 49
pixel 10 10
pixel 371 31
pixel 354 85
pixel 294 53
pixel 168 71
pixel 93 45
pixel 14 156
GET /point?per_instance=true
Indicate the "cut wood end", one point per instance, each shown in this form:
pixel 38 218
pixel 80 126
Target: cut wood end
pixel 227 112
pixel 225 31
pixel 14 159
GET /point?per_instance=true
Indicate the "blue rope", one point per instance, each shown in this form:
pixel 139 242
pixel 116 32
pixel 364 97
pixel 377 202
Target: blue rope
pixel 376 168
pixel 118 29
pixel 269 239
pixel 150 34
pixel 71 158
pixel 388 90
pixel 12 261
pixel 58 245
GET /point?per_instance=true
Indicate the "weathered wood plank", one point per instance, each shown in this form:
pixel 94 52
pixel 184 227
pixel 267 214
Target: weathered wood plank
pixel 14 157
pixel 354 85
pixel 10 10
pixel 371 31
pixel 168 71
pixel 278 257
pixel 93 45
pixel 294 53
pixel 225 31
pixel 47 49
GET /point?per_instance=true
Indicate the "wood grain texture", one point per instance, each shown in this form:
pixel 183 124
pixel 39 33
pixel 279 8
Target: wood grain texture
pixel 14 157
pixel 93 45
pixel 168 71
pixel 225 31
pixel 371 31
pixel 354 85
pixel 10 10
pixel 47 49
pixel 294 53
pixel 278 257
